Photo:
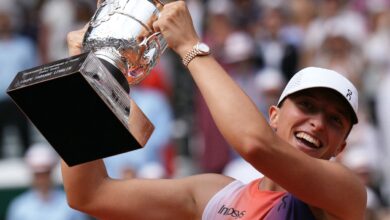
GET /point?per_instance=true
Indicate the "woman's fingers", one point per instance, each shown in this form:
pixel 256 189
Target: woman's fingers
pixel 175 23
pixel 75 40
pixel 98 2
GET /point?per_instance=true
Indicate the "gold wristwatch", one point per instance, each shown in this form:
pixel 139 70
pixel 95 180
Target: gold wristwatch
pixel 199 49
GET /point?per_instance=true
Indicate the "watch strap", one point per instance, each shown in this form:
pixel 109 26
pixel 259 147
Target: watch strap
pixel 199 49
pixel 190 56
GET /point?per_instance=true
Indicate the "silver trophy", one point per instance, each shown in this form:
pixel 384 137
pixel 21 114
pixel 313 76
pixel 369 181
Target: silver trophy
pixel 121 33
pixel 81 104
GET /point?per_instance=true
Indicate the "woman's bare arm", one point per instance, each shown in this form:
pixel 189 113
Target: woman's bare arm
pixel 89 188
pixel 320 183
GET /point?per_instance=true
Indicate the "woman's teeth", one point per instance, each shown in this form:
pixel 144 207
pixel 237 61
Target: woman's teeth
pixel 314 141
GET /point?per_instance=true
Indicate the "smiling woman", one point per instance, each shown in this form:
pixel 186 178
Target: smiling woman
pixel 315 121
pixel 312 123
pixel 317 115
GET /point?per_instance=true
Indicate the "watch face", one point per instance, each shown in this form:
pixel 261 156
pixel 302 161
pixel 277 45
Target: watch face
pixel 203 48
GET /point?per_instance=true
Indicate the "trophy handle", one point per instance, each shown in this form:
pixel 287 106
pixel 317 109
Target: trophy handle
pixel 160 45
pixel 155 38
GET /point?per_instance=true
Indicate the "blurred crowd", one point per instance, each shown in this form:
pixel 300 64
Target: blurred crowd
pixel 261 43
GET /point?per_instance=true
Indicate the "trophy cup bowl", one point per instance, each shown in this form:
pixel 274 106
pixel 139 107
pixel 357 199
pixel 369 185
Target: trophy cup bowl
pixel 81 104
pixel 121 33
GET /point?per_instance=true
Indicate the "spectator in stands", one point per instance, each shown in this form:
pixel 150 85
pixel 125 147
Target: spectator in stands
pixel 43 201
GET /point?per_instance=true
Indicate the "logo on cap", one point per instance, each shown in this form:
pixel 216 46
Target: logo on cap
pixel 349 95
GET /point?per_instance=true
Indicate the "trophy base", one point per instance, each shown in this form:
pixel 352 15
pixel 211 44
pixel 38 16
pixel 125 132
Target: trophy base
pixel 81 110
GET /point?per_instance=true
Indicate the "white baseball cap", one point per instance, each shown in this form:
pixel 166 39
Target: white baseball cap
pixel 40 157
pixel 315 77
